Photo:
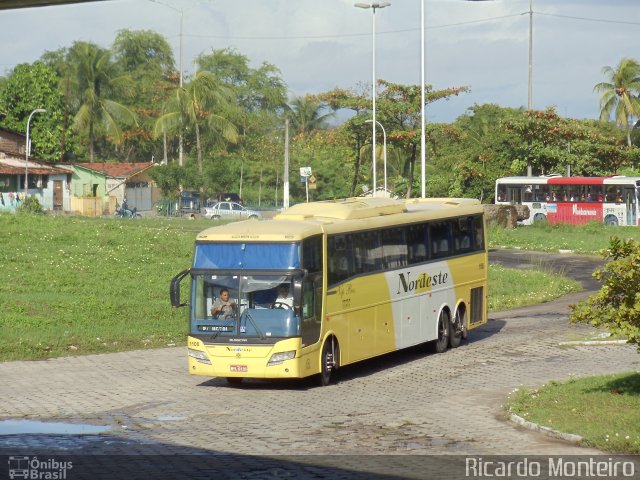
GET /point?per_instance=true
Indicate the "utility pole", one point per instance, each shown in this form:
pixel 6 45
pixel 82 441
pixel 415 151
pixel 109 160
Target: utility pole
pixel 285 176
pixel 530 86
pixel 180 142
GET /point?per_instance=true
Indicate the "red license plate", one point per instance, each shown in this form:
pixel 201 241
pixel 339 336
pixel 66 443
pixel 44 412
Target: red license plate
pixel 238 368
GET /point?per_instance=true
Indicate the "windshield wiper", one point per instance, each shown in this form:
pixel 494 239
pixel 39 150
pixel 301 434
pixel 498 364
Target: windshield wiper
pixel 228 324
pixel 246 314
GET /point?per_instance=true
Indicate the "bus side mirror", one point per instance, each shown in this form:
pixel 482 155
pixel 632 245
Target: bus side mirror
pixel 174 289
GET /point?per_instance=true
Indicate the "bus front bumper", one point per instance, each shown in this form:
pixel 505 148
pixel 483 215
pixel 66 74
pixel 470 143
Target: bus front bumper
pixel 245 361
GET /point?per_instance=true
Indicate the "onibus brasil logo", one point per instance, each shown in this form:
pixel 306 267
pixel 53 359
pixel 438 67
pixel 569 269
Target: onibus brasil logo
pixel 36 469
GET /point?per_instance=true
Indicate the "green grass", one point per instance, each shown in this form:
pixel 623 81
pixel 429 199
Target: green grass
pixel 604 410
pixel 589 239
pixel 82 285
pixel 511 288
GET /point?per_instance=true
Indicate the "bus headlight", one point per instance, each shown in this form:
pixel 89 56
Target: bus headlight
pixel 199 356
pixel 278 358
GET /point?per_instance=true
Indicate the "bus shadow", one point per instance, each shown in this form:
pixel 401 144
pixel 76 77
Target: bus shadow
pixel 485 331
pixel 412 354
pixel 262 384
pixel 364 368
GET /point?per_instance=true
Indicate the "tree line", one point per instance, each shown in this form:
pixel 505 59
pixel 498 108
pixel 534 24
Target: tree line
pixel 223 128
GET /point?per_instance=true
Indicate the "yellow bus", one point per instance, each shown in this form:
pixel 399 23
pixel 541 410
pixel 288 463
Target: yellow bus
pixel 366 276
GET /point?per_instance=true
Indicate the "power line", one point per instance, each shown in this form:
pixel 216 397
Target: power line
pixel 407 30
pixel 600 20
pixel 470 22
pixel 346 35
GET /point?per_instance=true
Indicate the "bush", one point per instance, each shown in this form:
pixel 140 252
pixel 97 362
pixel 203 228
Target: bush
pixel 30 205
pixel 617 305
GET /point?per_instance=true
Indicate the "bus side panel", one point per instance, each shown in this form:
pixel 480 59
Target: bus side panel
pixel 574 213
pixel 359 313
pixel 418 294
pixel 380 313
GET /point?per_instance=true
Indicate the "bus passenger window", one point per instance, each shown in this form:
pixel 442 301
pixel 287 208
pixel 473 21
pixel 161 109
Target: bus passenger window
pixel 528 193
pixel 440 233
pixel 417 241
pixel 340 267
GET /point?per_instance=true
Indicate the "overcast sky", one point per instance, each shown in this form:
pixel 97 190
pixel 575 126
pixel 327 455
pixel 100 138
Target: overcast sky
pixel 322 44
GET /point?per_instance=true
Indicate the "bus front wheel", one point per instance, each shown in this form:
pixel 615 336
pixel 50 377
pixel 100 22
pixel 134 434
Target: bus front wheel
pixel 329 360
pixel 611 220
pixel 440 345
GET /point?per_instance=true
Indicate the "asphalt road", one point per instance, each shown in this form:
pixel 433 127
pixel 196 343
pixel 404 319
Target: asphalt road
pixel 409 414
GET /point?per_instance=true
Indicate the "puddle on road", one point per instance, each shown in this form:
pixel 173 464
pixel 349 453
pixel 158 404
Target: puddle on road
pixel 20 427
pixel 171 418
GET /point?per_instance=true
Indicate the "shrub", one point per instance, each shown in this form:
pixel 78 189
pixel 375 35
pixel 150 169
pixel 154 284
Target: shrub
pixel 31 205
pixel 617 305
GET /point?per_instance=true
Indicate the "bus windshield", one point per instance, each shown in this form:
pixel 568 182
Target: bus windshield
pixel 261 307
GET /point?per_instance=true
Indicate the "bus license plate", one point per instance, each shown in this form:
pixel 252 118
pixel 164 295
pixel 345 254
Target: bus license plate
pixel 238 368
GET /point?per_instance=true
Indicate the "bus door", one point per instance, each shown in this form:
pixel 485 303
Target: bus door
pixel 312 295
pixel 632 206
pixel 515 194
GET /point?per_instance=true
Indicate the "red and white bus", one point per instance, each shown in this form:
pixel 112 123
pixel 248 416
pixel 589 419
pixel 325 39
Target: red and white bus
pixel 612 200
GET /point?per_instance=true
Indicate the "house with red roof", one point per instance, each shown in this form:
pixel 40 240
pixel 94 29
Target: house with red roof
pixel 99 188
pixel 92 189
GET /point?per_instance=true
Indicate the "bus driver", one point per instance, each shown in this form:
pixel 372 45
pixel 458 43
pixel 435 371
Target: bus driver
pixel 223 308
pixel 283 297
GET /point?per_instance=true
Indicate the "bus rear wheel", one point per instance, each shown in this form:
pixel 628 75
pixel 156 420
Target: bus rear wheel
pixel 329 360
pixel 444 330
pixel 456 330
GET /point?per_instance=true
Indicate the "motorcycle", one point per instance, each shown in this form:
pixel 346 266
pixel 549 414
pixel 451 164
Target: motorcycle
pixel 125 212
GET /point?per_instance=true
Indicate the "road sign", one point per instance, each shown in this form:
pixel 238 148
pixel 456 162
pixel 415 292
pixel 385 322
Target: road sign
pixel 305 171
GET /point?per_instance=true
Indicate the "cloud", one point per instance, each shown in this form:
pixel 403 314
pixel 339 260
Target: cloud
pixel 319 45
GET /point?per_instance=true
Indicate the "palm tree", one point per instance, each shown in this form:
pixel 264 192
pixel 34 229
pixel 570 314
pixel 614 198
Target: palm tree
pixel 193 105
pixel 96 81
pixel 306 115
pixel 620 95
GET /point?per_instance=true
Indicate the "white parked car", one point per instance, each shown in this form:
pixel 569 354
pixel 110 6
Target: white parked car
pixel 230 210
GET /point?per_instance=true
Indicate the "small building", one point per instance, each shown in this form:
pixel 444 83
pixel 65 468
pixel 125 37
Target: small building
pixel 48 183
pixel 98 188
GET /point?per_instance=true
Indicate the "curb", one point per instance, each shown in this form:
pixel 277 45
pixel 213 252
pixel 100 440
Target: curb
pixel 569 437
pixel 594 342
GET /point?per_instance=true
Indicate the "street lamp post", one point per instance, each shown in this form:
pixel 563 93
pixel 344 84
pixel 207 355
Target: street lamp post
pixel 384 139
pixel 373 6
pixel 423 122
pixel 27 151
